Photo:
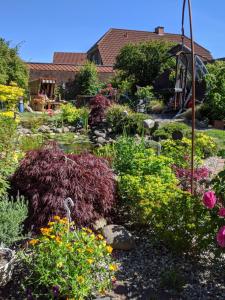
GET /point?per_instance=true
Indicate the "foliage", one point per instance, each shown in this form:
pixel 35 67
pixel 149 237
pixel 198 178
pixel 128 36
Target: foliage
pixel 145 93
pixel 8 155
pixel 218 184
pixel 33 121
pixel 78 263
pixel 99 105
pixel 87 80
pixel 155 107
pixel 10 95
pixel 172 278
pixel 215 80
pixel 218 137
pixel 184 224
pixel 145 61
pixel 121 118
pixel 48 176
pixel 205 144
pixel 74 116
pixel 12 215
pixel 12 68
pixel 201 177
pixel 166 131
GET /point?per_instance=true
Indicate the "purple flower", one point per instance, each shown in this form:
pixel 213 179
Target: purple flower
pixel 55 290
pixel 221 212
pixel 221 237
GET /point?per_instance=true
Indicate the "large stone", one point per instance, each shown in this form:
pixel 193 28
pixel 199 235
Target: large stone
pixel 101 140
pixel 24 131
pixel 99 134
pixel 148 123
pixel 57 130
pixel 118 237
pixel 44 129
pixel 66 129
pixel 100 224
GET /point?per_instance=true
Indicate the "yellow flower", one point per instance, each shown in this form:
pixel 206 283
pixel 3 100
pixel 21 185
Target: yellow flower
pixel 80 279
pixel 56 218
pixel 69 247
pixel 79 250
pixel 52 236
pixel 58 239
pixel 51 223
pixel 113 267
pixel 59 264
pixel 33 242
pixel 90 261
pixel 90 250
pixel 46 231
pixel 100 237
pixel 109 249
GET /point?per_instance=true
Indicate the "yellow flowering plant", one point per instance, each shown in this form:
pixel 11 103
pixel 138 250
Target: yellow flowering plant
pixel 10 94
pixel 68 262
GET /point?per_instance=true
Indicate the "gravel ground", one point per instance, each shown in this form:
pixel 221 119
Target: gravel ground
pixel 143 269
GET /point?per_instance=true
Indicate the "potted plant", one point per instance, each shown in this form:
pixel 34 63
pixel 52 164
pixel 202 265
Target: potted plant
pixel 7 259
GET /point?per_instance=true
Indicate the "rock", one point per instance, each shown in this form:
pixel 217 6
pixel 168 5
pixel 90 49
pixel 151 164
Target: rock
pixel 65 129
pixel 118 237
pixel 57 130
pixel 101 140
pixel 24 131
pixel 99 134
pixel 148 123
pixel 72 128
pixel 44 129
pixel 100 224
pixel 109 130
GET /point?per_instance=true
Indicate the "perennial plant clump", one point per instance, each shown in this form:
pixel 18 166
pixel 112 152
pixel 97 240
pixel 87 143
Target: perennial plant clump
pixel 78 263
pixel 98 106
pixel 47 176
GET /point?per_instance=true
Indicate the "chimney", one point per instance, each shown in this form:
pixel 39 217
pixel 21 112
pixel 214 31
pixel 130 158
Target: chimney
pixel 159 30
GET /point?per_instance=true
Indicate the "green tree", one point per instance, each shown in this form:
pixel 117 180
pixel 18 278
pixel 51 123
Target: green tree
pixel 87 79
pixel 145 61
pixel 214 106
pixel 12 68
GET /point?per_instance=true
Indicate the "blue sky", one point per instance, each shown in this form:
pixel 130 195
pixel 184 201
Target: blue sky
pixel 45 26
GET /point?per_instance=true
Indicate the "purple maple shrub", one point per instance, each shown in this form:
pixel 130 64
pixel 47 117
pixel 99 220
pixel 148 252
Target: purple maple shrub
pixel 98 105
pixel 46 177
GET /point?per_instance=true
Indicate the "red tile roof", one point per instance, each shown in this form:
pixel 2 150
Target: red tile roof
pixel 64 67
pixel 111 43
pixel 69 58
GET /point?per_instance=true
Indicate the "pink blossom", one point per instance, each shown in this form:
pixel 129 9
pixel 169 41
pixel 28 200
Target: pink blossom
pixel 209 199
pixel 221 212
pixel 221 237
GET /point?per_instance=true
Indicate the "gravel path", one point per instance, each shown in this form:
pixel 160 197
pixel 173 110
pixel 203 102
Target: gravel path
pixel 143 269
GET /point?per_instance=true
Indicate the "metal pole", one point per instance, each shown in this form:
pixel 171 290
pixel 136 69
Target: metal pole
pixel 193 87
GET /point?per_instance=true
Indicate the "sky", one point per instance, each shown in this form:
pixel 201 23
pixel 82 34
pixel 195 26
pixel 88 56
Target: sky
pixel 41 27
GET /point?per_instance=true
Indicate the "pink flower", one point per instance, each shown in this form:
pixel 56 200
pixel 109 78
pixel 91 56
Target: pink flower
pixel 221 212
pixel 221 237
pixel 209 199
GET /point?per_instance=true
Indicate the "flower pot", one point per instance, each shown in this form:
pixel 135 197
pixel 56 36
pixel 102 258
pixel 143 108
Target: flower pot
pixel 7 259
pixel 218 124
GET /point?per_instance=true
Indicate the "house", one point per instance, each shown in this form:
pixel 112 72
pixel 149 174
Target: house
pixel 104 52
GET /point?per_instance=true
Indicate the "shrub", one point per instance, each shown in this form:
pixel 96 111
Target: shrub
pixel 10 95
pixel 166 131
pixel 78 263
pixel 184 224
pixel 12 215
pixel 98 105
pixel 87 80
pixel 180 152
pixel 205 144
pixel 145 93
pixel 8 155
pixel 47 176
pixel 74 116
pixel 122 119
pixel 155 107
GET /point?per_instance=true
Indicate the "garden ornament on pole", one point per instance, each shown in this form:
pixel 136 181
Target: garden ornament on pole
pixel 193 83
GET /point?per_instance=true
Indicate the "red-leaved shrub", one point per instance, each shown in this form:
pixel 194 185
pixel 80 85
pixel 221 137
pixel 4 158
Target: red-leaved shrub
pixel 46 177
pixel 98 105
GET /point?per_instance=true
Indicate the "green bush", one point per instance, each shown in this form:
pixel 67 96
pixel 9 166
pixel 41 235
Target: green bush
pixel 33 121
pixel 72 115
pixel 12 215
pixel 166 131
pixel 145 93
pixel 87 80
pixel 8 155
pixel 78 263
pixel 122 119
pixel 218 137
pixel 214 105
pixel 155 107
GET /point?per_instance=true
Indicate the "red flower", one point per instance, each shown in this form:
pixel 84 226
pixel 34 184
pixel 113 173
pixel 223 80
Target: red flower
pixel 209 199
